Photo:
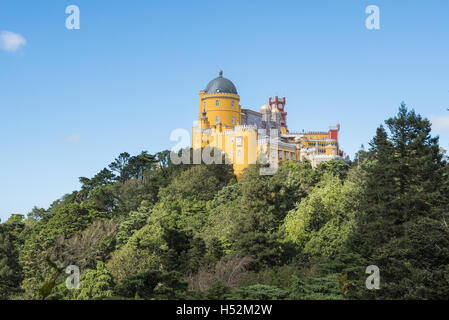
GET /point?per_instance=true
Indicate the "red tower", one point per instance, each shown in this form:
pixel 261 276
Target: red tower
pixel 280 104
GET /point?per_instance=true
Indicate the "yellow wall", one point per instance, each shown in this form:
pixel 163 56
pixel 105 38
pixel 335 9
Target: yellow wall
pixel 225 110
pixel 320 138
pixel 225 137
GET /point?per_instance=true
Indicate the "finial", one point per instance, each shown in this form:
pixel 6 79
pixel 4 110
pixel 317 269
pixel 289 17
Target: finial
pixel 220 73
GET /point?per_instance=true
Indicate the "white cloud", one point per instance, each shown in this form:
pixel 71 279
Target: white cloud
pixel 74 137
pixel 10 41
pixel 440 123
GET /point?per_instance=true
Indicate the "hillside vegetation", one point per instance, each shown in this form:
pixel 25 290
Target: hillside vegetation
pixel 143 228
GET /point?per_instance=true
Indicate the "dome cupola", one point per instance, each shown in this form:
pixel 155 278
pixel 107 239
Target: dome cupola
pixel 221 85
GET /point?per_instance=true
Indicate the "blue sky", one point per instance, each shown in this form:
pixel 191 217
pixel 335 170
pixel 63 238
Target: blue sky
pixel 72 100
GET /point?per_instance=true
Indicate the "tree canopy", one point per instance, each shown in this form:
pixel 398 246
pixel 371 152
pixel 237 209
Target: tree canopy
pixel 145 228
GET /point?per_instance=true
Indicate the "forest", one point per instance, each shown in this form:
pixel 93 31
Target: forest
pixel 144 228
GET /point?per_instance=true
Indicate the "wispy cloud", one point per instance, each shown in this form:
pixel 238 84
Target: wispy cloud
pixel 72 138
pixel 10 41
pixel 440 123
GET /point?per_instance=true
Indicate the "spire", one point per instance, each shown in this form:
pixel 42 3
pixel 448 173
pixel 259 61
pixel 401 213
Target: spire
pixel 204 115
pixel 220 73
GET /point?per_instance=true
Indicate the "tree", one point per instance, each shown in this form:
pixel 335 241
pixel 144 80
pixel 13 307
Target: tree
pixel 321 223
pixel 152 284
pixel 144 250
pixel 257 292
pixel 9 267
pixel 63 221
pixel 93 244
pixel 100 179
pixel 119 165
pixel 138 165
pixel 405 185
pixel 133 222
pixel 95 284
pixel 257 219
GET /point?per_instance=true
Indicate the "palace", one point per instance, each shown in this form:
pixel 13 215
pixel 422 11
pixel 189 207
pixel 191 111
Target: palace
pixel 246 136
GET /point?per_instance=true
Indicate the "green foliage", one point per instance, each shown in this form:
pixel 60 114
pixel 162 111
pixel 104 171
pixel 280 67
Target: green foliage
pixel 321 223
pixel 316 288
pixel 95 284
pixel 45 291
pixel 142 227
pixel 218 291
pixel 9 267
pixel 152 284
pixel 257 292
pixel 255 231
pixel 133 222
pixel 402 210
pixel 337 168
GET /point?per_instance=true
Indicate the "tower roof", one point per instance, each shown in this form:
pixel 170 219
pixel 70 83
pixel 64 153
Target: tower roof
pixel 221 85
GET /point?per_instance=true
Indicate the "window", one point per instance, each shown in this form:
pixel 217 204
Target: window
pixel 280 154
pixel 233 120
pixel 239 141
pixel 232 140
pixel 293 156
pixel 287 156
pixel 233 103
pixel 239 153
pixel 217 103
pixel 273 154
pixel 217 119
pixel 204 104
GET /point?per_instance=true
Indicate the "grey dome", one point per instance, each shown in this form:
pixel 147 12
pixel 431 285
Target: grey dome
pixel 221 85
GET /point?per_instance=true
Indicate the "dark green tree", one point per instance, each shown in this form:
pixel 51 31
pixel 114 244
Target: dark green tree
pixel 406 185
pixel 9 267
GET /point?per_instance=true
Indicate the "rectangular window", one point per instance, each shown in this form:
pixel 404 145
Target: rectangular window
pixel 287 156
pixel 293 156
pixel 233 120
pixel 233 104
pixel 239 141
pixel 232 140
pixel 217 103
pixel 217 119
pixel 239 153
pixel 280 154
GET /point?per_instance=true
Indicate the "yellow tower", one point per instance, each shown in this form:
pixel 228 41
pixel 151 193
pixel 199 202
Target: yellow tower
pixel 242 134
pixel 221 102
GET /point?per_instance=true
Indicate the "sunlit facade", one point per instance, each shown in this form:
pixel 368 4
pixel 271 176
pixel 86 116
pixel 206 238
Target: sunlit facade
pixel 246 136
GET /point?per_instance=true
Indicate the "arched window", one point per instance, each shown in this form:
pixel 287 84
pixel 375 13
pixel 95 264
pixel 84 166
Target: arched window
pixel 217 103
pixel 233 103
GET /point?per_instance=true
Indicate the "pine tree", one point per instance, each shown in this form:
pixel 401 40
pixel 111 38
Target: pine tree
pixel 406 182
